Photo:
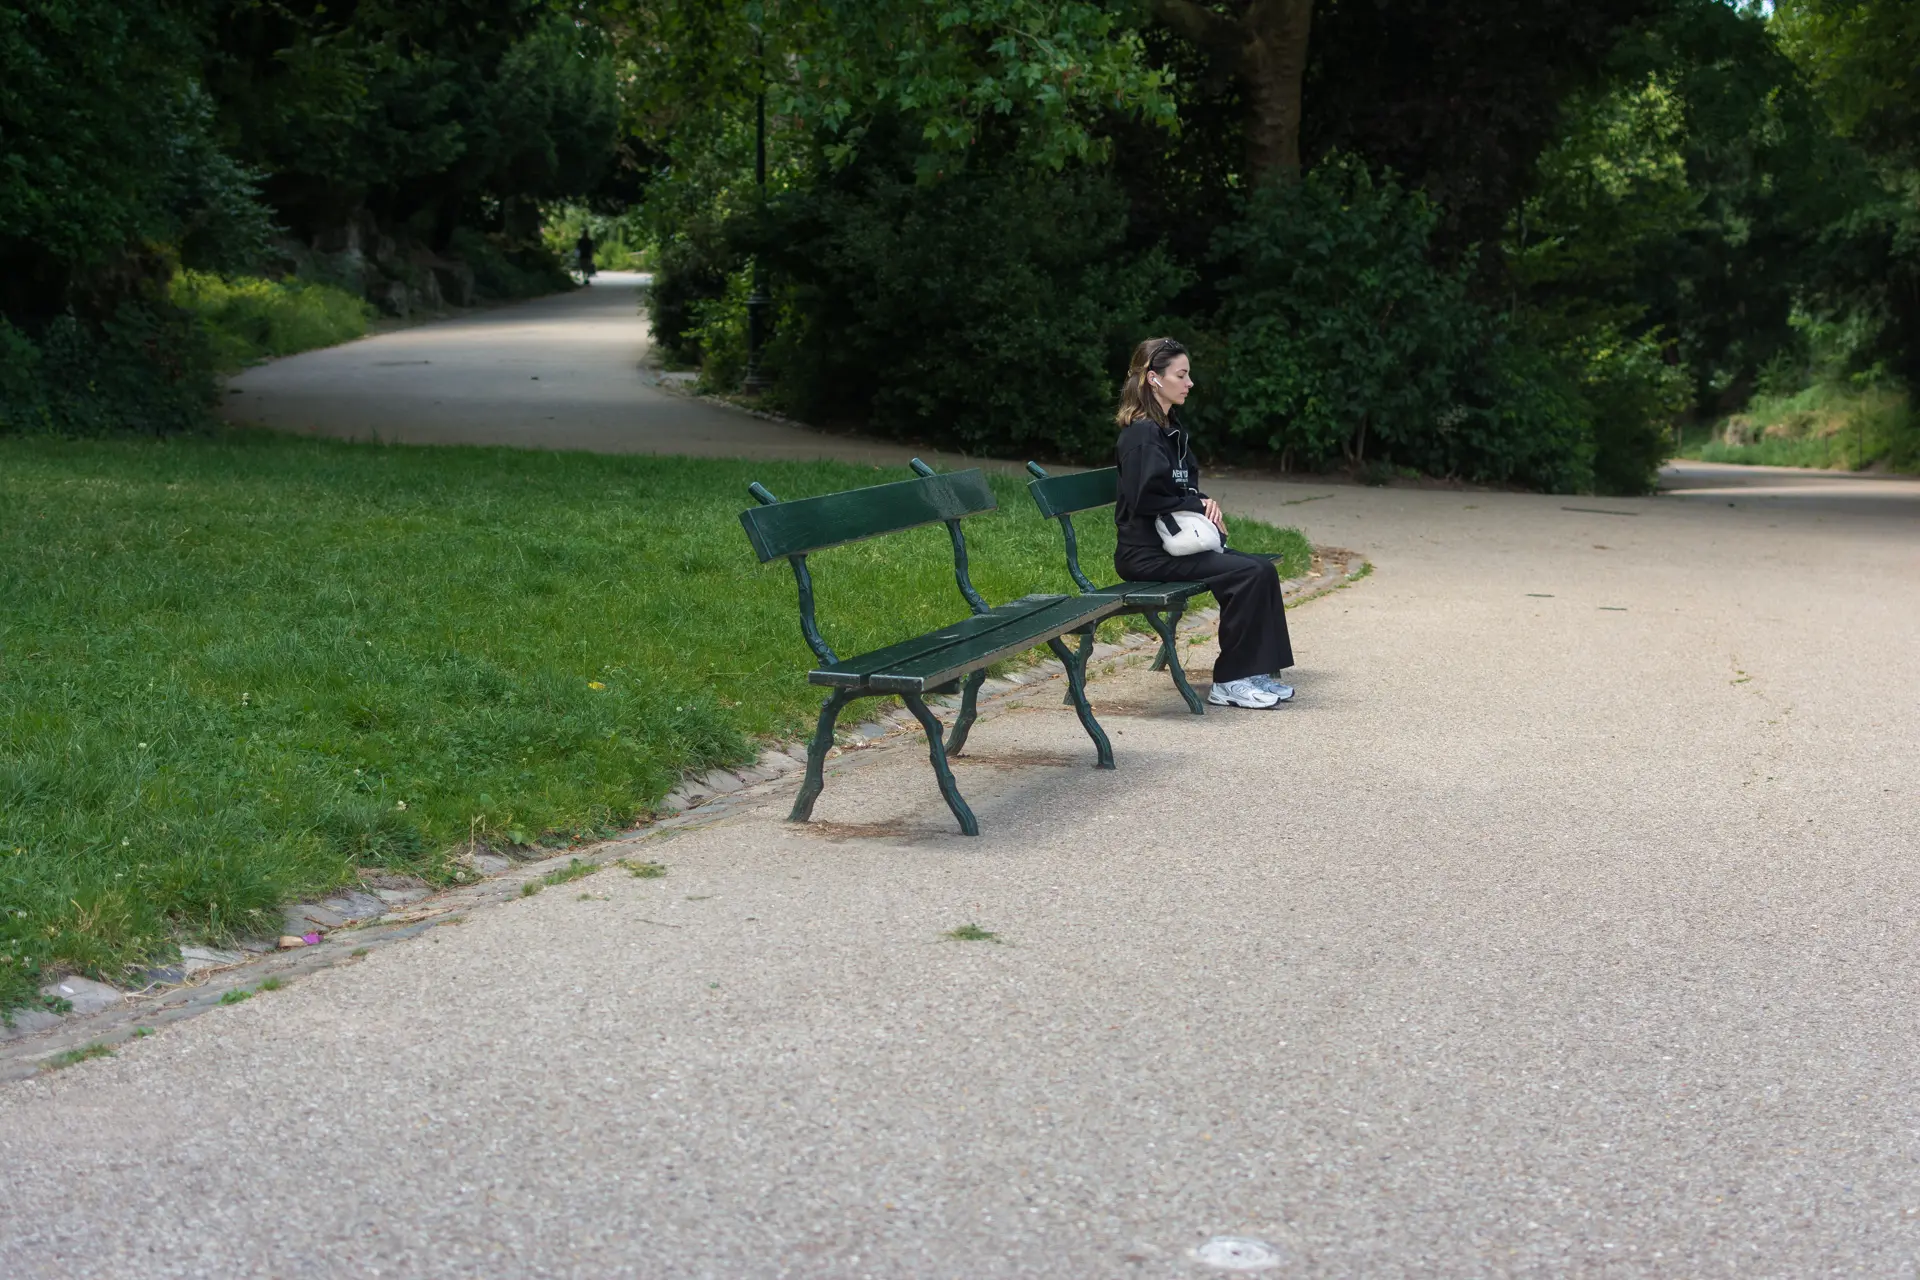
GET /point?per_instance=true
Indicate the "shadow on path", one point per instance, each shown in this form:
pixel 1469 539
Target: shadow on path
pixel 1789 488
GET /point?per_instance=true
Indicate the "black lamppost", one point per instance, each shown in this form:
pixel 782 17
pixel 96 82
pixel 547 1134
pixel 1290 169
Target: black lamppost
pixel 757 301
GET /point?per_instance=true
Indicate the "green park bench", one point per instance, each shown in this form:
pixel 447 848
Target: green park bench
pixel 1161 603
pixel 940 661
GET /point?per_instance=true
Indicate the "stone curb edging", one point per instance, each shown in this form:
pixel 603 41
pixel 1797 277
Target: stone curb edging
pixel 685 384
pixel 366 920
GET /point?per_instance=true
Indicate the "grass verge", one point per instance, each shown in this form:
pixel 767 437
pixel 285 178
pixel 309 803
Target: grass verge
pixel 249 318
pixel 74 1057
pixel 239 669
pixel 1828 425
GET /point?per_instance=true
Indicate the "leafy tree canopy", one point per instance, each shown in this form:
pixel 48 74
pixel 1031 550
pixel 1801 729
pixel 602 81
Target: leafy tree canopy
pixel 1037 76
pixel 105 150
pixel 1864 56
pixel 413 110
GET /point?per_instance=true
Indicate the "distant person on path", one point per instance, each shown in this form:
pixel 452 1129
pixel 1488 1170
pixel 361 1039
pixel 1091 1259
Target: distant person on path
pixel 1158 477
pixel 583 255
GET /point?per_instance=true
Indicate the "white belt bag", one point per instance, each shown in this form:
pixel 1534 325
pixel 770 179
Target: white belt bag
pixel 1186 533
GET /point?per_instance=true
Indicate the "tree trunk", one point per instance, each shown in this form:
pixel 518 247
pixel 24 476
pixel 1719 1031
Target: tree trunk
pixel 1266 48
pixel 1273 67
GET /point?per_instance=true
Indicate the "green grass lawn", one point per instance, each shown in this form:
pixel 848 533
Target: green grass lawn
pixel 236 670
pixel 1825 426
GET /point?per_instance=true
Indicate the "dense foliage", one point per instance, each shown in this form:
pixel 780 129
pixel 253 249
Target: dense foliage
pixel 1337 332
pixel 399 150
pixel 1512 240
pixel 1528 239
pixel 250 319
pixel 983 311
pixel 427 117
pixel 107 164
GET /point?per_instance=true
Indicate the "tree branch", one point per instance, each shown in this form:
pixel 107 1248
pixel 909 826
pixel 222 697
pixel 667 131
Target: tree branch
pixel 1213 32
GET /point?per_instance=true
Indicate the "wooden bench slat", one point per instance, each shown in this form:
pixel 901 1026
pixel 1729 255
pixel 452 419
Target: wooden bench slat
pixel 852 673
pixel 1031 627
pixel 1154 595
pixel 811 524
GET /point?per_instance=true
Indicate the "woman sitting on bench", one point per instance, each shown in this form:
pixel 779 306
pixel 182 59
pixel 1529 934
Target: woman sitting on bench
pixel 1159 477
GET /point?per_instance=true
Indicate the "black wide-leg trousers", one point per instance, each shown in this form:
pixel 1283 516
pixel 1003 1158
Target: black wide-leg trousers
pixel 1253 621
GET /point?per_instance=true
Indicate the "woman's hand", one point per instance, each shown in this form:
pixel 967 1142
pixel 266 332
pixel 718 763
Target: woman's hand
pixel 1211 510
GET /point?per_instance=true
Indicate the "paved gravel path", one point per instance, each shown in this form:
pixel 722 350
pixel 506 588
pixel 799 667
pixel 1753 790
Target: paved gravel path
pixel 1569 923
pixel 561 372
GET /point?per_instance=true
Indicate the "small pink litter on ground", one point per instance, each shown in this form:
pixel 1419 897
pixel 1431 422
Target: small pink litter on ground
pixel 311 939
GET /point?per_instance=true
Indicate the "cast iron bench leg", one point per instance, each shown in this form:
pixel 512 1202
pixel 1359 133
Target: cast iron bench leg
pixel 935 752
pixel 1166 647
pixel 1077 691
pixel 1086 651
pixel 817 755
pixel 957 740
pixel 1168 625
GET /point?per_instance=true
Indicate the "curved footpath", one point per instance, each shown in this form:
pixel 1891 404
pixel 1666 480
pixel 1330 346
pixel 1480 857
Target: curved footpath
pixel 561 372
pixel 1569 922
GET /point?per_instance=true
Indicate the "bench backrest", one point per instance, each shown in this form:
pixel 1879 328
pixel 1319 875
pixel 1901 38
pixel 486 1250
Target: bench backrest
pixel 1058 497
pixel 1064 495
pixel 797 529
pixel 834 519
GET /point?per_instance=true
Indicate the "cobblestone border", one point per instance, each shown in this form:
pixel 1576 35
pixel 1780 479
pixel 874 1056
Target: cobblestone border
pixel 359 921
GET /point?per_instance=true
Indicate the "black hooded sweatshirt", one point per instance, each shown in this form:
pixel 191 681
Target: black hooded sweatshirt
pixel 1158 474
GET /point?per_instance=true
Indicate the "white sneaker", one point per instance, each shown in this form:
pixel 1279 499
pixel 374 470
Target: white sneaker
pixel 1241 693
pixel 1282 692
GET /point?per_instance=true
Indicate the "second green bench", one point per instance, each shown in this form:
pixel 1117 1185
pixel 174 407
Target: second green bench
pixel 1161 603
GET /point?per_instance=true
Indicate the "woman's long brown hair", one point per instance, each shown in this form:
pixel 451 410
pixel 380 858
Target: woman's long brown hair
pixel 1136 394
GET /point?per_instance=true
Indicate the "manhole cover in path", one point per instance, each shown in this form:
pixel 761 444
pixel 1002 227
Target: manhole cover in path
pixel 1239 1253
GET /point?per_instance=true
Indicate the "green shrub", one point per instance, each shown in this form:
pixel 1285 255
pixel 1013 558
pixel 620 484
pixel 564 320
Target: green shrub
pixel 692 273
pixel 110 153
pixel 1633 397
pixel 1593 415
pixel 249 318
pixel 1530 425
pixel 146 369
pixel 990 311
pixel 719 333
pixel 1338 340
pixel 503 268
